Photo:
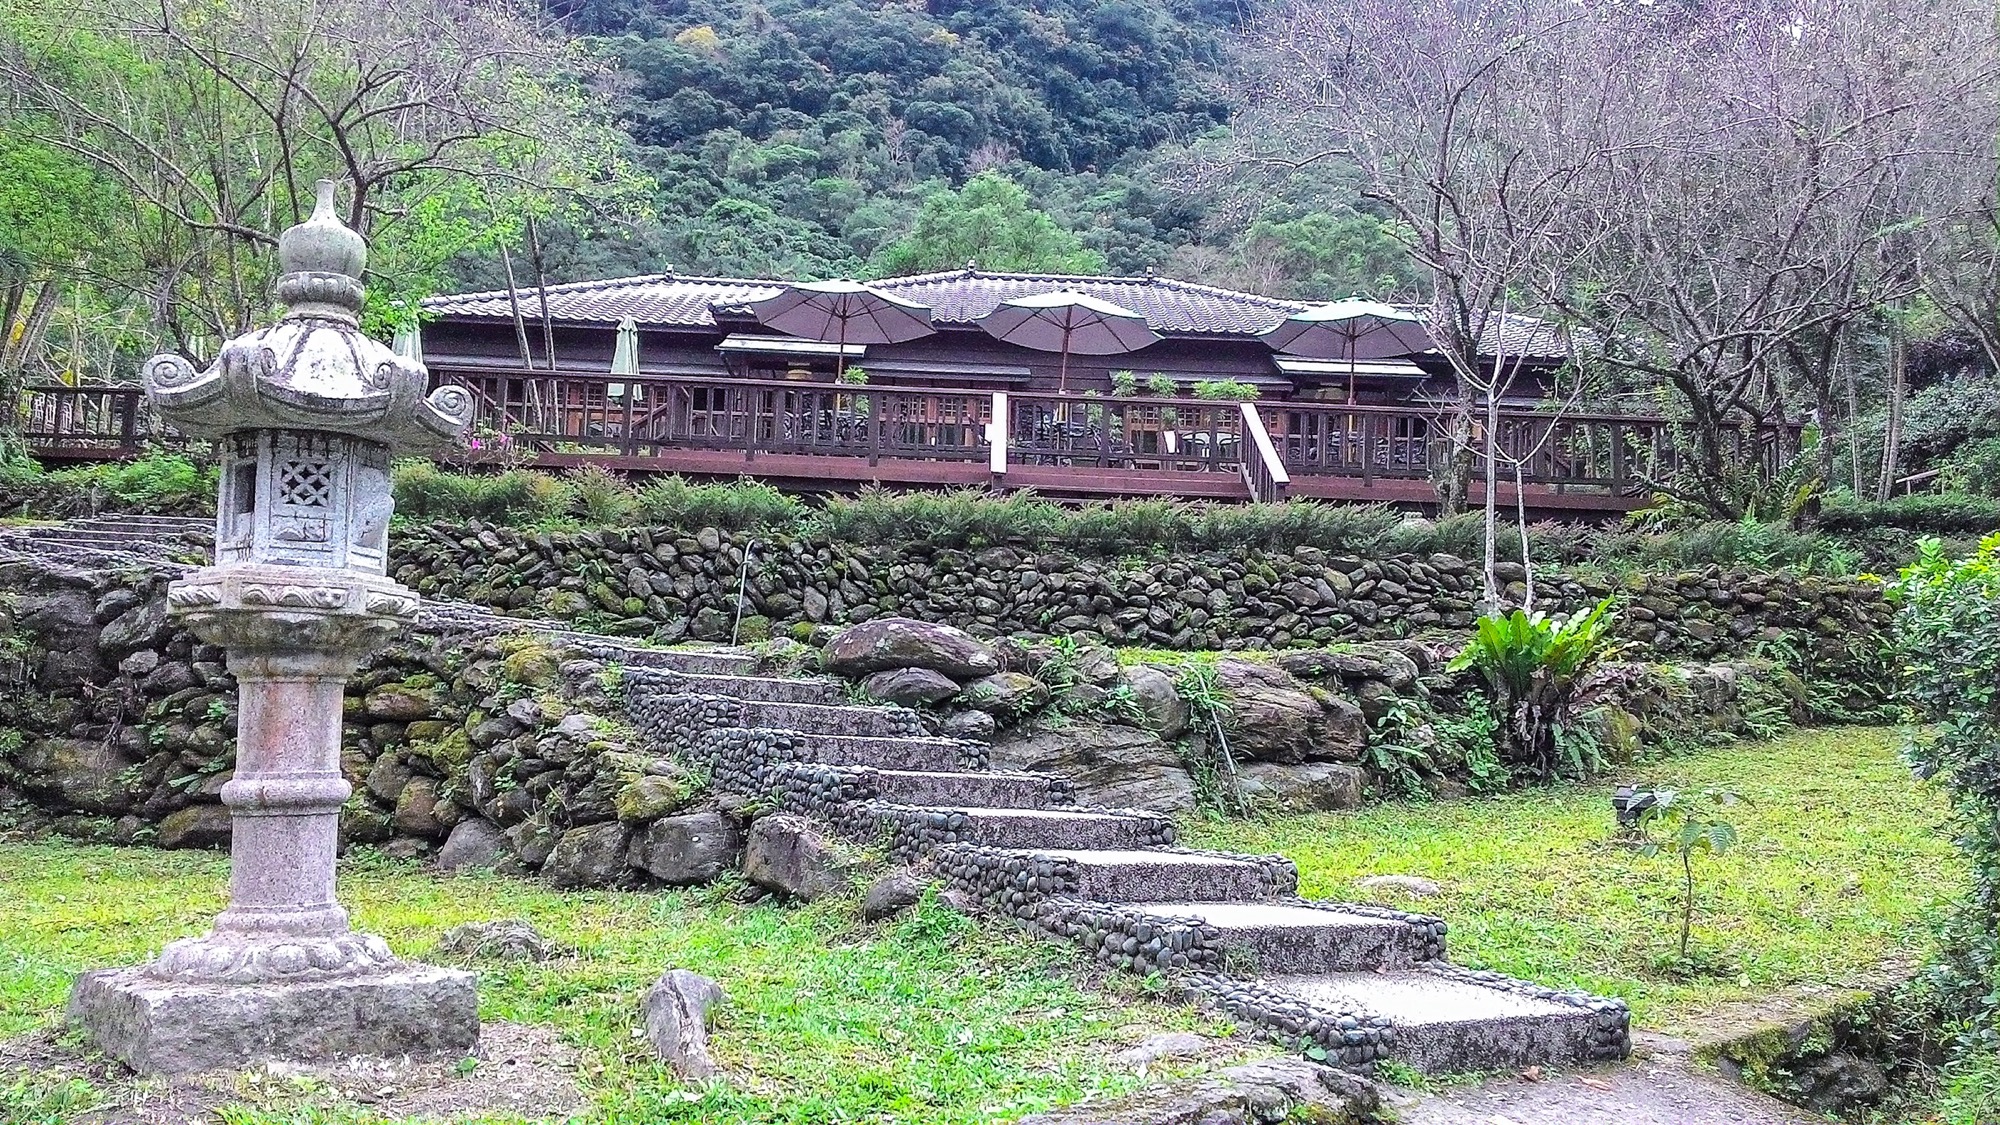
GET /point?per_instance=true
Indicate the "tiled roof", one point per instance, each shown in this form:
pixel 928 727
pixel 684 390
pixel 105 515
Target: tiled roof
pixel 960 296
pixel 655 300
pixel 1169 305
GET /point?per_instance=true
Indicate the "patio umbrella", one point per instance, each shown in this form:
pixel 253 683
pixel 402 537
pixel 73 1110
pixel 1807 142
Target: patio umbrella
pixel 1351 330
pixel 624 355
pixel 1068 322
pixel 843 313
pixel 409 343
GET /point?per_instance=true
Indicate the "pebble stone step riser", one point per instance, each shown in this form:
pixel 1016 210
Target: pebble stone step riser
pixel 1501 1044
pixel 868 722
pixel 693 661
pixel 916 754
pixel 1155 881
pixel 758 689
pixel 952 789
pixel 1073 830
pixel 1338 947
pixel 106 534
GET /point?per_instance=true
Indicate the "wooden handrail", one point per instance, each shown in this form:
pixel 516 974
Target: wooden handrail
pixel 1265 473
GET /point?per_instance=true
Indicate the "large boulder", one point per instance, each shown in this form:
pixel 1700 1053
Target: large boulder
pixel 64 624
pixel 417 808
pixel 1270 717
pixel 144 626
pixel 592 856
pixel 400 703
pixel 474 844
pixel 891 895
pixel 789 855
pixel 198 826
pixel 683 851
pixel 910 687
pixel 1311 787
pixel 674 1019
pixel 1159 698
pixel 83 773
pixel 1006 695
pixel 1106 765
pixel 1350 662
pixel 899 642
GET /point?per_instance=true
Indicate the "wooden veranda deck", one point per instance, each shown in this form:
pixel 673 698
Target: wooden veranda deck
pixel 820 437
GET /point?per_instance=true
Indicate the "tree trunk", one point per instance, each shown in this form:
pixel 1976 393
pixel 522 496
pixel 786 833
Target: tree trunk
pixel 1892 436
pixel 1491 572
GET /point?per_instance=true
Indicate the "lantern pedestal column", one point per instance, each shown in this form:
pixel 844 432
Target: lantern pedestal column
pixel 281 974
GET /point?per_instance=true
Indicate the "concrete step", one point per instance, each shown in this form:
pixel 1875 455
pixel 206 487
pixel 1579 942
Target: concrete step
pixel 1281 937
pixel 1032 829
pixel 983 790
pixel 821 718
pixel 760 688
pixel 1454 1021
pixel 1127 875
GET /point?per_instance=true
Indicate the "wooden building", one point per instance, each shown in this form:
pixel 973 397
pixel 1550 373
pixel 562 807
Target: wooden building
pixel 694 327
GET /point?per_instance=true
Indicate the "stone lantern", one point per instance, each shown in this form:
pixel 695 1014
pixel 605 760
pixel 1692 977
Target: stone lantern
pixel 308 413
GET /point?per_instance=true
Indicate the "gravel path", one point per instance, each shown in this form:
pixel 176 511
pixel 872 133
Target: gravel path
pixel 1660 1087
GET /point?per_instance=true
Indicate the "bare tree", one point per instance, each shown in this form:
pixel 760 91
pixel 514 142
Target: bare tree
pixel 1801 160
pixel 1470 124
pixel 216 118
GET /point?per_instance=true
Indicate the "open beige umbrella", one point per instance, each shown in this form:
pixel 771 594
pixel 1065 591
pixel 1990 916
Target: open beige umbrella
pixel 843 313
pixel 1351 330
pixel 1067 322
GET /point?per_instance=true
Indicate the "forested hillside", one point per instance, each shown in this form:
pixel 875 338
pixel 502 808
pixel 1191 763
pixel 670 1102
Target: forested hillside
pixel 800 138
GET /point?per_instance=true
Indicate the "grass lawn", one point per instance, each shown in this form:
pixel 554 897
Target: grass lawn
pixel 1843 858
pixel 829 1020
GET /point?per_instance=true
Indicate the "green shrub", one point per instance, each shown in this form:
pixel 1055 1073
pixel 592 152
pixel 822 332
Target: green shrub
pixel 159 483
pixel 1947 635
pixel 1974 468
pixel 1532 662
pixel 744 505
pixel 1924 513
pixel 599 497
pixel 1224 390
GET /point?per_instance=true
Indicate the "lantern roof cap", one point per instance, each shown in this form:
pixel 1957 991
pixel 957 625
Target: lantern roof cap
pixel 314 369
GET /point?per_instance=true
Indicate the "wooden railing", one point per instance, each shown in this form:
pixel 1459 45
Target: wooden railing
pixel 82 421
pixel 1136 445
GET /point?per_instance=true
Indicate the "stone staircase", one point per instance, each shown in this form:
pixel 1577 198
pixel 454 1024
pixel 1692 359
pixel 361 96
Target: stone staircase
pixel 146 535
pixel 1356 982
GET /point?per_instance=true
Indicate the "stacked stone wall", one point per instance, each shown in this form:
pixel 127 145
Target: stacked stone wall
pixel 714 586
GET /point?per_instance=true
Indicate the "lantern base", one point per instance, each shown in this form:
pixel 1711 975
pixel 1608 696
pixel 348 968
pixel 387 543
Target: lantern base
pixel 160 1026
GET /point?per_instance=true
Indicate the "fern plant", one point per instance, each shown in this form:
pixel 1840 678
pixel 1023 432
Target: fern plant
pixel 1533 661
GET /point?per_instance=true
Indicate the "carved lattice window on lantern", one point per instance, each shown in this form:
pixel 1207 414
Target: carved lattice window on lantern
pixel 305 484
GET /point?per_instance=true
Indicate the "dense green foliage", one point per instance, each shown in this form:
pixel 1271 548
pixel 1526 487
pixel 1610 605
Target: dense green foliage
pixel 162 484
pixel 809 139
pixel 1948 636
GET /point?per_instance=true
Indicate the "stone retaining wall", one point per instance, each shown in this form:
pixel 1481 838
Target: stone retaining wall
pixel 483 740
pixel 469 739
pixel 672 586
